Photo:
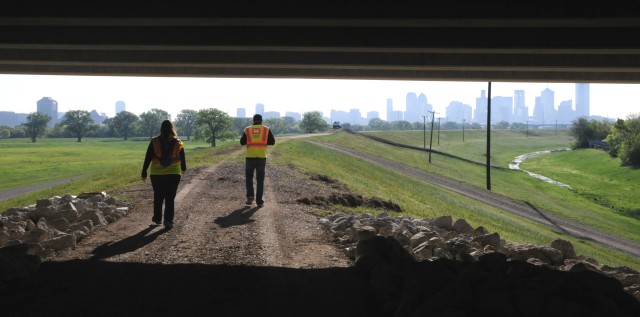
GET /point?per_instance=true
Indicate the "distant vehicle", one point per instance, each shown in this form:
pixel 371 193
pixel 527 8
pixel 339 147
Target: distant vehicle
pixel 336 125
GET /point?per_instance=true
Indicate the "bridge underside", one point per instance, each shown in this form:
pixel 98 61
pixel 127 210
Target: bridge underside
pixel 458 40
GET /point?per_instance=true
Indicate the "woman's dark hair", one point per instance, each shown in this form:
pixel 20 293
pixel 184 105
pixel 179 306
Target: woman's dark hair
pixel 167 131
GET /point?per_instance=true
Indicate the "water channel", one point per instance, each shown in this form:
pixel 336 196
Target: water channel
pixel 515 165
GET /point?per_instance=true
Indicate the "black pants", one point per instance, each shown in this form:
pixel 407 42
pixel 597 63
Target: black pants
pixel 257 164
pixel 164 191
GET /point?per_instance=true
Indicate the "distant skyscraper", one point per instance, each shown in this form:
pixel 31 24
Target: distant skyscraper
pixel 458 111
pixel 412 112
pixel 390 110
pixel 547 100
pixel 565 112
pixel 241 113
pixel 98 118
pixel 582 100
pixel 501 109
pixel 372 114
pixel 120 106
pixel 259 108
pixel 480 115
pixel 520 111
pixel 48 106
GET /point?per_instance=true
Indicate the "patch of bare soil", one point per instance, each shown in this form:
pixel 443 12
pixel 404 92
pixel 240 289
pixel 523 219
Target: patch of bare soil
pixel 222 258
pixel 350 200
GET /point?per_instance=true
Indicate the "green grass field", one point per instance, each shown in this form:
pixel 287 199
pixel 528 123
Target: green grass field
pixel 106 164
pixel 110 164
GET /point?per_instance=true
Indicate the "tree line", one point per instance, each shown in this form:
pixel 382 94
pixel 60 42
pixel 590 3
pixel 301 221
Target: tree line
pixel 620 139
pixel 207 125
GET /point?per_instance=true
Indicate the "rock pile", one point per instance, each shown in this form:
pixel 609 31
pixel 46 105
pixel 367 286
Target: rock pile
pixel 30 234
pixel 438 267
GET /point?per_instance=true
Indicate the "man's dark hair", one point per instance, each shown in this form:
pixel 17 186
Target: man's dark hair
pixel 257 118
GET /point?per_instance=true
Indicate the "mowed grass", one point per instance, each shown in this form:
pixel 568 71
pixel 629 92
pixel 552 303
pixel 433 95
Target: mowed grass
pixel 104 164
pixel 595 175
pixel 514 184
pixel 422 200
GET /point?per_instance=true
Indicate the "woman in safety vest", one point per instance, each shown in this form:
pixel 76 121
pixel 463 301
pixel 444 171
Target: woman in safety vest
pixel 166 156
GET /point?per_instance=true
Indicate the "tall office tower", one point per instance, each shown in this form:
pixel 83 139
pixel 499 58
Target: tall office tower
pixel 355 117
pixel 520 111
pixel 412 113
pixel 423 106
pixel 259 108
pixel 538 114
pixel 390 110
pixel 501 109
pixel 241 113
pixel 458 112
pixel 120 106
pixel 547 97
pixel 48 106
pixel 480 114
pixel 565 112
pixel 582 100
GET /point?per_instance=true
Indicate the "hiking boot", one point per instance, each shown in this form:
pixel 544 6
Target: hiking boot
pixel 168 224
pixel 260 203
pixel 156 221
pixel 249 201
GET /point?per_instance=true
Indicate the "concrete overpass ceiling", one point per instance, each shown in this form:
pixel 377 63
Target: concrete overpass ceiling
pixel 465 40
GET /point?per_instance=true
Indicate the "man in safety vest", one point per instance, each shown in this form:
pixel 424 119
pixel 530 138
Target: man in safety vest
pixel 256 137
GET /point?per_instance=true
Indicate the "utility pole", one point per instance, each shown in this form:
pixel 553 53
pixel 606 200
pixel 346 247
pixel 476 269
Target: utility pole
pixel 489 138
pixel 433 117
pixel 424 132
pixel 462 130
pixel 439 131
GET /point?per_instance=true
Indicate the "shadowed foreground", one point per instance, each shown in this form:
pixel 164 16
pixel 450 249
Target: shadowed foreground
pixel 97 288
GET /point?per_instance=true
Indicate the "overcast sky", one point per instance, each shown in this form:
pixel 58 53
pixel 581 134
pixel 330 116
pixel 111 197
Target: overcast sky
pixel 19 93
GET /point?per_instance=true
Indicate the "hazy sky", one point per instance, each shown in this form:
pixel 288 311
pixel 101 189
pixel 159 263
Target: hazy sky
pixel 19 93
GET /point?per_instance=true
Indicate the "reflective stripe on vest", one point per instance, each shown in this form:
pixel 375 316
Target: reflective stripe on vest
pixel 257 136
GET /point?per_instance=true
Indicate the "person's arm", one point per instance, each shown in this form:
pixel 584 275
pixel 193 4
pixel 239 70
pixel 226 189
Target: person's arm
pixel 183 162
pixel 147 160
pixel 243 139
pixel 271 140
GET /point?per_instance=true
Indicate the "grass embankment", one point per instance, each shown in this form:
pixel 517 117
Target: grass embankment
pixel 421 199
pixel 105 164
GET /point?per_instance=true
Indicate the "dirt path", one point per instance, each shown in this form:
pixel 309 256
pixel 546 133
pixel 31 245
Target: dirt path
pixel 32 188
pixel 529 212
pixel 222 258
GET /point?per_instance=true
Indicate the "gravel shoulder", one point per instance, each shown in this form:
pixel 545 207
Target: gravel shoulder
pixel 221 258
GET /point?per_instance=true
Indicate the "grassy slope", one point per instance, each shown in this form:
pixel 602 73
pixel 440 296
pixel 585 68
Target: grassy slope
pixel 423 200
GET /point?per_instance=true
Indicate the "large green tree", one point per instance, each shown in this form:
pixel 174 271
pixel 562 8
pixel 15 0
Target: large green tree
pixel 151 120
pixel 79 123
pixel 378 124
pixel 214 123
pixel 313 122
pixel 624 140
pixel 36 125
pixel 239 124
pixel 584 131
pixel 123 123
pixel 186 122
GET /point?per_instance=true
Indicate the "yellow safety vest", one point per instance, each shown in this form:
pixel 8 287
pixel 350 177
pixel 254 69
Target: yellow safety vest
pixel 257 136
pixel 174 167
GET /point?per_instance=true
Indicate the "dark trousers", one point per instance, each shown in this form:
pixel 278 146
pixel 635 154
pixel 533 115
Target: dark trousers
pixel 258 165
pixel 164 191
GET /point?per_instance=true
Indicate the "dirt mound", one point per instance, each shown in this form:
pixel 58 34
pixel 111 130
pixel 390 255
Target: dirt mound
pixel 333 183
pixel 350 200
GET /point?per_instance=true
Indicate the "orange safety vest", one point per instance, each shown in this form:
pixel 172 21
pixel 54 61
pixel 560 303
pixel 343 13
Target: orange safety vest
pixel 157 150
pixel 257 136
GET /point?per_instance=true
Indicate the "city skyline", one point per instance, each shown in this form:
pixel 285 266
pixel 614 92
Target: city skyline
pixel 19 93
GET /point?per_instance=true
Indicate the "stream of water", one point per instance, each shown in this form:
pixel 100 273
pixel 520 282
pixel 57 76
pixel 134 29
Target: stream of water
pixel 515 165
